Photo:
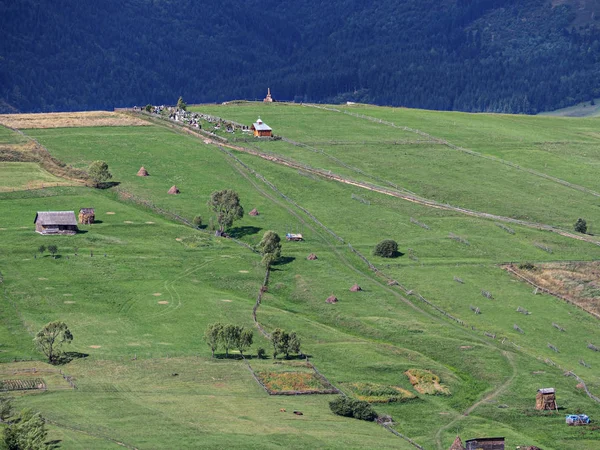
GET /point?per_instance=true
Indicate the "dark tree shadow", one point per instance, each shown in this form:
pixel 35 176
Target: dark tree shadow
pixel 80 231
pixel 283 260
pixel 67 357
pixel 54 444
pixel 240 232
pixel 95 221
pixel 107 184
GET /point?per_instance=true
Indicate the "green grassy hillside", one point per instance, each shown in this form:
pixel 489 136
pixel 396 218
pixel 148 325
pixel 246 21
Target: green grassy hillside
pixel 138 287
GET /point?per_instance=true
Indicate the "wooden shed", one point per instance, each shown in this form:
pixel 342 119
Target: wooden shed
pixel 545 399
pixel 55 222
pixel 87 216
pixel 261 129
pixel 493 443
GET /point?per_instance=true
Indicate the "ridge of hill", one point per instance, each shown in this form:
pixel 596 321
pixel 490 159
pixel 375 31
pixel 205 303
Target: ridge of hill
pixel 471 55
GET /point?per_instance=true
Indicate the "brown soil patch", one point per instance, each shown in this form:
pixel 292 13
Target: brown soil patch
pixel 110 213
pixel 95 346
pixel 225 300
pixel 163 302
pixel 127 221
pixel 150 223
pixel 574 282
pixel 157 294
pixel 73 119
pixel 178 239
pixel 466 347
pixel 68 302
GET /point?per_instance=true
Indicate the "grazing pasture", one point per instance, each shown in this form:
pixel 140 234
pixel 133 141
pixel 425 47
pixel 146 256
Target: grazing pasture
pixel 138 287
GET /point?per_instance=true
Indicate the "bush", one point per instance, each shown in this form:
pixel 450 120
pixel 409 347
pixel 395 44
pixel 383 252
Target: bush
pixel 581 226
pixel 261 353
pixel 527 266
pixel 348 407
pixel 386 249
pixel 197 221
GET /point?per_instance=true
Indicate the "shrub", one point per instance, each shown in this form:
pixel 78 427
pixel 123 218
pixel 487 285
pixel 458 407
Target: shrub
pixel 197 221
pixel 347 407
pixel 527 266
pixel 581 226
pixel 386 249
pixel 261 353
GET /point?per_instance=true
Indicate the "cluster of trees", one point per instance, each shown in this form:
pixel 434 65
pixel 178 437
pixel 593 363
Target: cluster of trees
pixel 53 249
pixel 285 343
pixel 474 55
pixel 350 407
pixel 227 337
pixel 25 430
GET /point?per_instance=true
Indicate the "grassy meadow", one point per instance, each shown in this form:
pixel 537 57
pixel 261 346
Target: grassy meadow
pixel 138 288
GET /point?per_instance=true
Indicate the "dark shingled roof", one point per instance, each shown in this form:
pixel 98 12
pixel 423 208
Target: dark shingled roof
pixel 56 218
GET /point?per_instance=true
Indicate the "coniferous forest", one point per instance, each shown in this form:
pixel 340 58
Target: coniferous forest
pixel 519 56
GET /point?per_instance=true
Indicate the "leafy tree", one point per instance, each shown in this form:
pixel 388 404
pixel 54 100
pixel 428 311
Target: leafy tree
pixel 270 248
pixel 260 352
pixel 53 249
pixel 98 172
pixel 386 248
pixel 5 407
pixel 581 226
pixel 230 336
pixel 50 339
pixel 245 340
pixel 26 432
pixel 212 336
pixel 226 203
pixel 197 221
pixel 293 343
pixel 181 104
pixel 42 249
pixel 148 107
pixel 276 339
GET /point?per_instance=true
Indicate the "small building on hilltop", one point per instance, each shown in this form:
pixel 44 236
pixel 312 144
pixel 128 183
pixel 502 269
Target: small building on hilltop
pixel 494 443
pixel 87 216
pixel 55 222
pixel 261 129
pixel 268 98
pixel 545 399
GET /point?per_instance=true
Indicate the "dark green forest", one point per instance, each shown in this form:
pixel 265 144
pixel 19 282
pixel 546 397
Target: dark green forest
pixel 520 56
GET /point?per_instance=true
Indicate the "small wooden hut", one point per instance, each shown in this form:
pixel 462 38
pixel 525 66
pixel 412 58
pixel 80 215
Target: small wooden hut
pixel 457 444
pixel 55 222
pixel 261 129
pixel 87 216
pixel 173 190
pixel 545 399
pixel 142 172
pixel 494 443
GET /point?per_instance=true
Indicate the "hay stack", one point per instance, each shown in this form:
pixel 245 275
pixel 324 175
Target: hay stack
pixel 253 213
pixel 332 299
pixel 311 257
pixel 545 399
pixel 142 172
pixel 173 190
pixel 355 288
pixel 457 444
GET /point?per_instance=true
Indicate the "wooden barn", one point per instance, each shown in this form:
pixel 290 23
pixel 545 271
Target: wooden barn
pixel 55 222
pixel 87 216
pixel 494 443
pixel 545 399
pixel 261 129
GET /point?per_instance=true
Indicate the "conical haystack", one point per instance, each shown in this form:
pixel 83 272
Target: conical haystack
pixel 254 212
pixel 311 257
pixel 355 288
pixel 173 190
pixel 457 444
pixel 142 172
pixel 332 299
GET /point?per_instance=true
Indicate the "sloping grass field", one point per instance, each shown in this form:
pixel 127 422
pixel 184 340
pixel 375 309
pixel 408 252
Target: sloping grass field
pixel 138 287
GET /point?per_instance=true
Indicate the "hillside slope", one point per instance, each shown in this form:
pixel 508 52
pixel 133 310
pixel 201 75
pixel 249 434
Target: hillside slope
pixel 472 55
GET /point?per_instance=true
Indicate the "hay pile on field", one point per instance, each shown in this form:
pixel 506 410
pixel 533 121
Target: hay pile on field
pixel 142 172
pixel 311 257
pixel 355 288
pixel 426 382
pixel 173 190
pixel 332 299
pixel 253 213
pixel 457 444
pixel 70 119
